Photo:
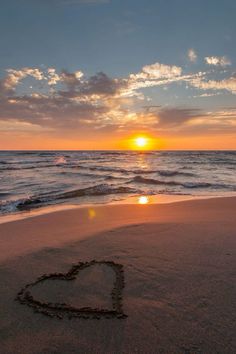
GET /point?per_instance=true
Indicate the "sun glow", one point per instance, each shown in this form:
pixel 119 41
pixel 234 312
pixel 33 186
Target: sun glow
pixel 143 200
pixel 141 141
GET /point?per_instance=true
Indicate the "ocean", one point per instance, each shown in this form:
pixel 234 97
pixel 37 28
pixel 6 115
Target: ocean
pixel 33 179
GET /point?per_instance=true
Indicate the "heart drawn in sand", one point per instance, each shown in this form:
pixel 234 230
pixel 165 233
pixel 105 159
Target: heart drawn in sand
pixel 62 310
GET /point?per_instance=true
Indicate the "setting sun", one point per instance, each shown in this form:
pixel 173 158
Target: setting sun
pixel 143 200
pixel 141 141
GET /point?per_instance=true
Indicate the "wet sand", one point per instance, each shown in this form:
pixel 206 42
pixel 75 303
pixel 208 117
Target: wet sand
pixel 179 266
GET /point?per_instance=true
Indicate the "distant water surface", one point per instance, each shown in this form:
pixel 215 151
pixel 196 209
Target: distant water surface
pixel 32 179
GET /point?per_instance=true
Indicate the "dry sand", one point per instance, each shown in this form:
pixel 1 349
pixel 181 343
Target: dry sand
pixel 180 277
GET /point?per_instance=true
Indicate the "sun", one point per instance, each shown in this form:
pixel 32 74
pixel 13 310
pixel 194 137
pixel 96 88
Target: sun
pixel 141 142
pixel 143 200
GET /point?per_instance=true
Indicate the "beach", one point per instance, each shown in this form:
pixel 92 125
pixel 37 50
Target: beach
pixel 179 268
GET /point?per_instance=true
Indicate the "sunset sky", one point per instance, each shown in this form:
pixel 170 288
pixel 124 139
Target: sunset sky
pixel 92 74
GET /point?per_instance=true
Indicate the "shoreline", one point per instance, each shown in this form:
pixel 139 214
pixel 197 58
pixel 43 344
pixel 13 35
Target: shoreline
pixel 179 280
pixel 56 228
pixel 133 200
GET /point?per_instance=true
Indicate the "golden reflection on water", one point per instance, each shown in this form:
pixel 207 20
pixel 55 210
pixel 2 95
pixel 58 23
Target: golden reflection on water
pixel 142 162
pixel 60 160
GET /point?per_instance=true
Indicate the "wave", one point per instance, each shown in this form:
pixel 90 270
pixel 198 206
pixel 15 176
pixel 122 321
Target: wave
pixel 101 168
pixel 27 167
pixel 25 162
pixel 140 179
pixel 172 173
pixel 4 194
pixel 98 190
pixel 164 173
pixel 195 173
pixel 82 174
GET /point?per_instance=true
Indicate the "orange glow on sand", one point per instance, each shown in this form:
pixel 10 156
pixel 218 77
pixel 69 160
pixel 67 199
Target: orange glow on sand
pixel 91 213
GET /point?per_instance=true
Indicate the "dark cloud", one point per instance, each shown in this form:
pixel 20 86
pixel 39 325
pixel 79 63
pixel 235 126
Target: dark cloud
pixel 99 84
pixel 176 119
pixel 72 102
pixel 55 112
pixel 83 102
pixel 71 80
pixel 171 117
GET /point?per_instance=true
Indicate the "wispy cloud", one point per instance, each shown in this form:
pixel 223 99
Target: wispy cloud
pixel 72 101
pixel 14 77
pixel 154 75
pixel 192 55
pixel 228 84
pixel 218 61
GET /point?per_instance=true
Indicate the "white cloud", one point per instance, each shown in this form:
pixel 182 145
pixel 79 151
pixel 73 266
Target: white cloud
pixel 157 71
pixel 100 101
pixel 15 76
pixel 53 77
pixel 192 55
pixel 218 61
pixel 15 125
pixel 228 84
pixel 152 75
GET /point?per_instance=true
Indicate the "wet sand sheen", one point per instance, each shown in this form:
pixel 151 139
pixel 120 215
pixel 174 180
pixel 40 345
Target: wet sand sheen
pixel 179 271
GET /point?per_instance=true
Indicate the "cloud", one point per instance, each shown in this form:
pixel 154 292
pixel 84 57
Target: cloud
pixel 101 84
pixel 15 125
pixel 14 77
pixel 72 80
pixel 192 55
pixel 73 102
pixel 153 75
pixel 228 84
pixel 77 102
pixel 207 95
pixel 53 77
pixel 218 61
pixel 157 71
pixel 193 121
pixel 170 117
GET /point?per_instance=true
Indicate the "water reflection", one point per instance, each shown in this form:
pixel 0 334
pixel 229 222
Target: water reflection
pixel 143 161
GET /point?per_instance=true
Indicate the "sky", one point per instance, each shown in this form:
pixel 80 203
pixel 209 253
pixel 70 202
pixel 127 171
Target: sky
pixel 91 74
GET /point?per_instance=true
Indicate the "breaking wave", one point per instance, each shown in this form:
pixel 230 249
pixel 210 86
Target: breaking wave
pixel 98 190
pixel 140 179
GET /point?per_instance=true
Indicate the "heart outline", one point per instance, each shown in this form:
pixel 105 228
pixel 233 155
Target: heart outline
pixel 62 310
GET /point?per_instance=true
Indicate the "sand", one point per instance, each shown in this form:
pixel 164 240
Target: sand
pixel 179 270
